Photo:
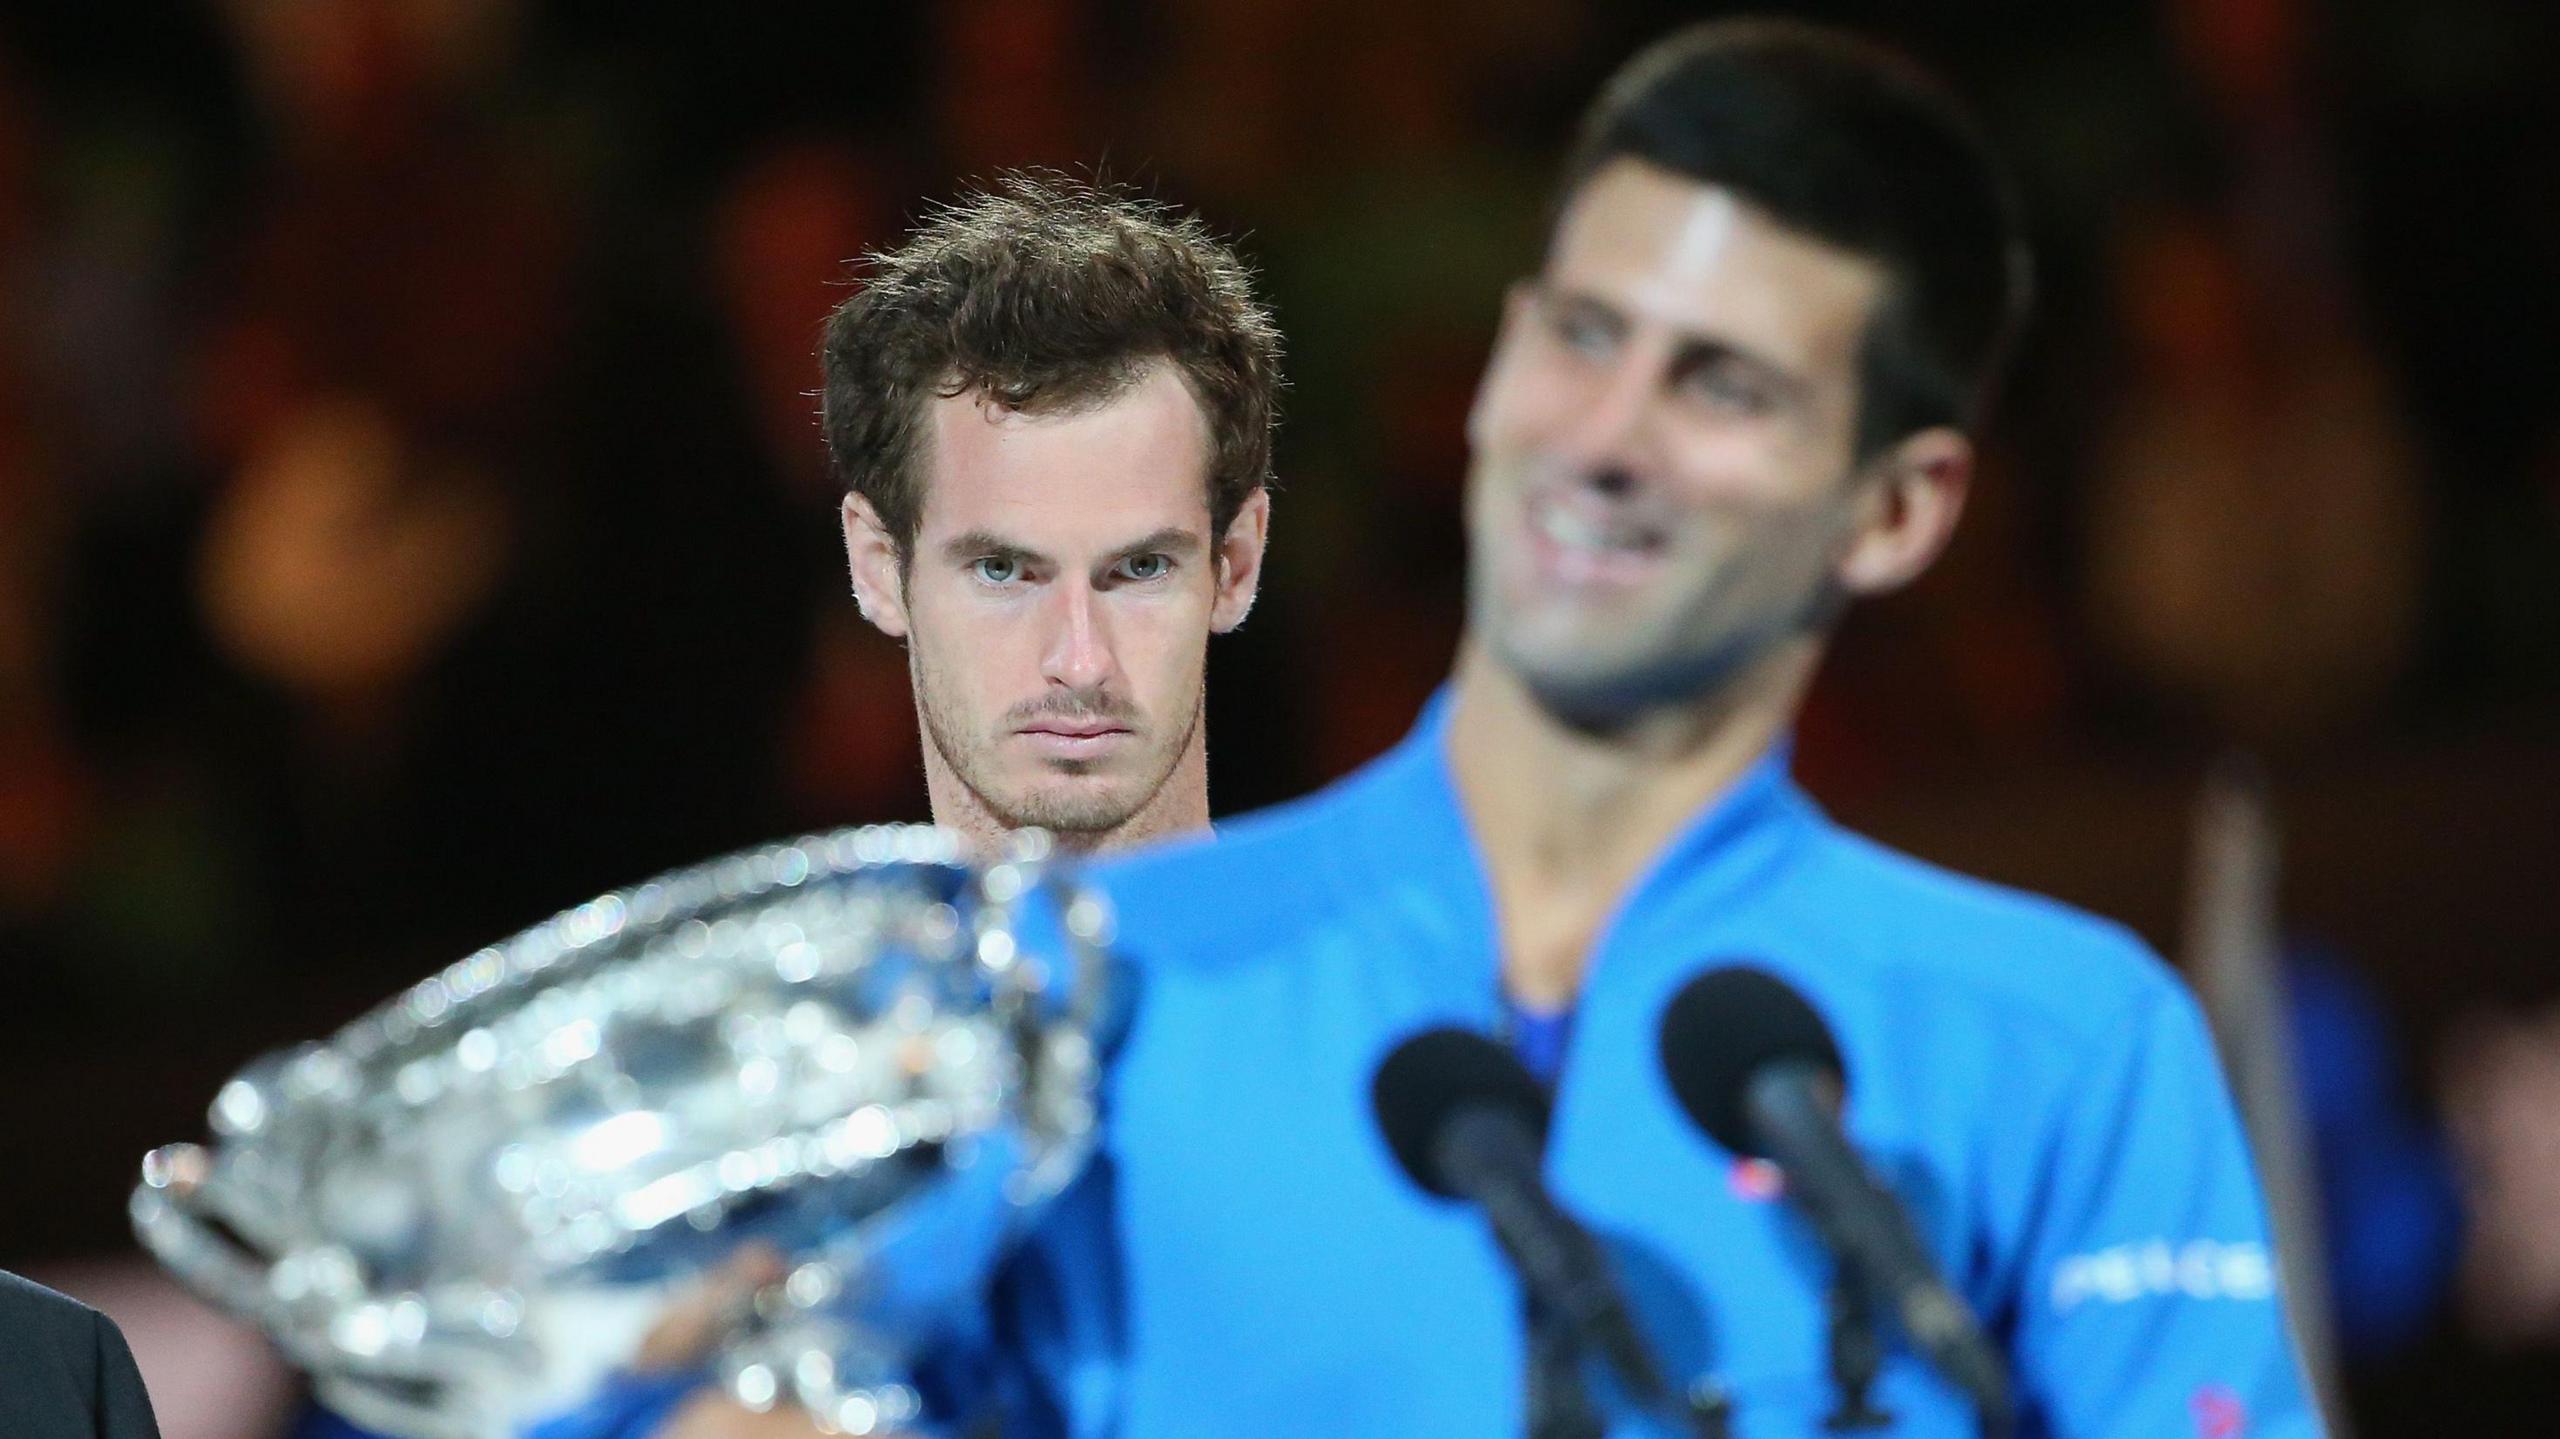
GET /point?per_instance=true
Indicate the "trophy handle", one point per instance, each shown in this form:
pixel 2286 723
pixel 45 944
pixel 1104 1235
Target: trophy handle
pixel 1086 917
pixel 172 1211
pixel 1030 864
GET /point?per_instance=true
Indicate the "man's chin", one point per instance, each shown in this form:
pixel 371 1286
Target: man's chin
pixel 1589 679
pixel 1074 808
pixel 1575 660
pixel 1569 635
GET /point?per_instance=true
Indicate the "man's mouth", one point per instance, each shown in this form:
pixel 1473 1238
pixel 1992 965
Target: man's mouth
pixel 1073 738
pixel 1573 544
pixel 1075 729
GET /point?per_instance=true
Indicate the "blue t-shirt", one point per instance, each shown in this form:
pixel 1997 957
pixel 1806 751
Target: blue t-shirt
pixel 1539 1037
pixel 1244 1258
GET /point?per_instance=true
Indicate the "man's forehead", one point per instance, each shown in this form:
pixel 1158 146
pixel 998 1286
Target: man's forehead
pixel 1153 394
pixel 1700 259
pixel 1135 463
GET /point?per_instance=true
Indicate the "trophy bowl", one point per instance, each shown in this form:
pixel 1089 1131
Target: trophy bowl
pixel 464 1212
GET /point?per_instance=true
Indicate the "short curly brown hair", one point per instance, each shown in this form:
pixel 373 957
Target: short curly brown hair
pixel 1046 294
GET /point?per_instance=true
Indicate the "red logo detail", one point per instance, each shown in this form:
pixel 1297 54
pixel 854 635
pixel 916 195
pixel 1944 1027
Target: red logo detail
pixel 2219 1413
pixel 1756 1180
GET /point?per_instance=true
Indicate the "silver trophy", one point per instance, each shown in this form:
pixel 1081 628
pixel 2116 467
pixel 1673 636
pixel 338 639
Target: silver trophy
pixel 464 1212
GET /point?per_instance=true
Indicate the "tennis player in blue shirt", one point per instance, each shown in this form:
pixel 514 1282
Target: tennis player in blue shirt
pixel 1739 393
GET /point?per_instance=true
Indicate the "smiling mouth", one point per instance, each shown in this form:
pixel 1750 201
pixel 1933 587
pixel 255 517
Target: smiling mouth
pixel 1580 548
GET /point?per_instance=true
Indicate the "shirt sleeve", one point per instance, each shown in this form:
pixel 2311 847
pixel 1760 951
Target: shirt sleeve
pixel 2150 1304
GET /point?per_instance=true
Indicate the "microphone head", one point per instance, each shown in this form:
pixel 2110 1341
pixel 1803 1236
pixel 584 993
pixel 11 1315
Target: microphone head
pixel 1721 1030
pixel 1436 1075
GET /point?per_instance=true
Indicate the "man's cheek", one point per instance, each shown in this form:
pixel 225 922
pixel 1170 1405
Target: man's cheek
pixel 960 680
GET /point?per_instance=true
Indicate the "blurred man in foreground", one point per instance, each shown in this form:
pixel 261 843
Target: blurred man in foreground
pixel 1740 393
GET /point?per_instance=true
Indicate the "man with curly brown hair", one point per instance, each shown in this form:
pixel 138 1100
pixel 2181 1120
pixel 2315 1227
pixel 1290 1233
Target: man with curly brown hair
pixel 1051 410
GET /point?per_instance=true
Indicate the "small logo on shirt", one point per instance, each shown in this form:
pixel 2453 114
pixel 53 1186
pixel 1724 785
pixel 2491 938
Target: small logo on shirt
pixel 1756 1180
pixel 2157 1268
pixel 2219 1413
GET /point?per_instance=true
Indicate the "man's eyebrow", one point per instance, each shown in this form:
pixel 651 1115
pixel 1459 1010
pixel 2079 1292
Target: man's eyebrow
pixel 988 545
pixel 1562 296
pixel 1172 539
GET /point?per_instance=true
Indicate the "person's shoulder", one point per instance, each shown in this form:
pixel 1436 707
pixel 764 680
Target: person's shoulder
pixel 1250 884
pixel 69 1370
pixel 28 1308
pixel 73 1339
pixel 2049 964
pixel 1270 867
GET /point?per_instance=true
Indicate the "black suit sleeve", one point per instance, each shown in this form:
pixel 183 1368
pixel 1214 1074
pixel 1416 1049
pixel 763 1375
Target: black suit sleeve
pixel 123 1406
pixel 65 1371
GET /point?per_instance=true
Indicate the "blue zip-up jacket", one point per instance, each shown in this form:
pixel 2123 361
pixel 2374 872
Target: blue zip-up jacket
pixel 1244 1259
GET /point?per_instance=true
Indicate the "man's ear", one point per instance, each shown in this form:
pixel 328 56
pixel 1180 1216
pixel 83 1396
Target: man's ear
pixel 1240 561
pixel 879 586
pixel 1913 494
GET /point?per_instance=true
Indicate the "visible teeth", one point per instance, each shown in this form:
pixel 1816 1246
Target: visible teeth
pixel 1567 528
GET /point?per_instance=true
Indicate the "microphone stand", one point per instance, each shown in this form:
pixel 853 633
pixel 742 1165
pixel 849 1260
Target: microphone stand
pixel 1857 1353
pixel 1857 1357
pixel 1559 1406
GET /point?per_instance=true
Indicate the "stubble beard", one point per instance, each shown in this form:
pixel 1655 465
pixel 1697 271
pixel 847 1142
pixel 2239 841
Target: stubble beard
pixel 1070 811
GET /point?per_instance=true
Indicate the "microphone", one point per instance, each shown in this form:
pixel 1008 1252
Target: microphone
pixel 1758 1070
pixel 1467 1122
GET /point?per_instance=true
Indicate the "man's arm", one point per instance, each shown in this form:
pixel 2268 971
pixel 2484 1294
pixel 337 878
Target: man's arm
pixel 2149 1301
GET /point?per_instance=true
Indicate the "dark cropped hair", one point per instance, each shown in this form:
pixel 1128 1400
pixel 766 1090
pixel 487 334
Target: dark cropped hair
pixel 1047 295
pixel 1839 139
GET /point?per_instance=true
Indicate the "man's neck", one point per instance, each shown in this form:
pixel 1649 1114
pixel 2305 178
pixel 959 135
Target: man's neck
pixel 1568 815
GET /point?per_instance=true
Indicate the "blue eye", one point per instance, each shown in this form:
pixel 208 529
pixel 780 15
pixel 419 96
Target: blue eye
pixel 1143 568
pixel 996 569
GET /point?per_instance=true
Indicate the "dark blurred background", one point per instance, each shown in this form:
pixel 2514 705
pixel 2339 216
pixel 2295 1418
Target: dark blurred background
pixel 412 517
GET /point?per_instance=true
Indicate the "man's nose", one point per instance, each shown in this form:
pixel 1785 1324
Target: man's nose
pixel 1609 426
pixel 1078 655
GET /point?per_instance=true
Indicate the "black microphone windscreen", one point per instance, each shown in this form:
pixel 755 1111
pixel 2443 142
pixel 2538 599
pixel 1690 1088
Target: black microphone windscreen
pixel 1724 1027
pixel 1433 1077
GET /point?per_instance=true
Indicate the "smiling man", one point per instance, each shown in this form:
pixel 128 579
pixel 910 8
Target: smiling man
pixel 1740 392
pixel 1052 411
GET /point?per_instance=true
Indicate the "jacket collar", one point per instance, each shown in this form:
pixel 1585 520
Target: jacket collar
pixel 1414 838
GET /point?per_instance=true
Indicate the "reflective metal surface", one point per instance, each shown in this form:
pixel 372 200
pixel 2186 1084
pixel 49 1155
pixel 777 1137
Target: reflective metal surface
pixel 464 1211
